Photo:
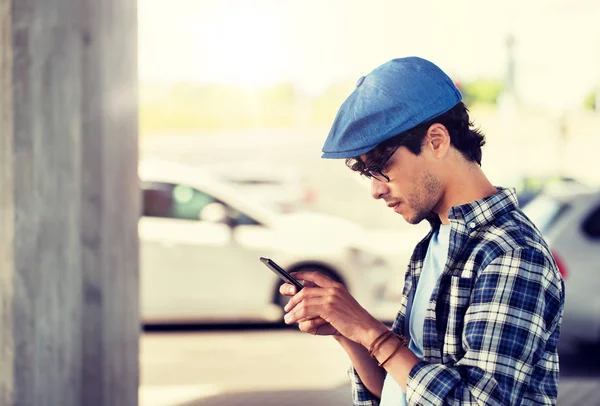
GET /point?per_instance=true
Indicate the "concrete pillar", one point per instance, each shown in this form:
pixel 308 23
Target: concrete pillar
pixel 69 200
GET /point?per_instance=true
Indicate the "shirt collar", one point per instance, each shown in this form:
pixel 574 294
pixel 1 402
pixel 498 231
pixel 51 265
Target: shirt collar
pixel 481 212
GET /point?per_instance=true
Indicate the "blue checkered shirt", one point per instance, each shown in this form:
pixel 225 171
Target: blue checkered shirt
pixel 493 321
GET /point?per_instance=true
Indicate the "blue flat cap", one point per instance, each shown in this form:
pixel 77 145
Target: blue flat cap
pixel 393 98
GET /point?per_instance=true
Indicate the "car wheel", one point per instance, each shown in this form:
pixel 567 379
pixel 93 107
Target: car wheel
pixel 281 300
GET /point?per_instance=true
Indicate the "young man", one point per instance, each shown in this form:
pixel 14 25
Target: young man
pixel 482 305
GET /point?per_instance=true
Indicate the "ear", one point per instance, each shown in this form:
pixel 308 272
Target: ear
pixel 437 140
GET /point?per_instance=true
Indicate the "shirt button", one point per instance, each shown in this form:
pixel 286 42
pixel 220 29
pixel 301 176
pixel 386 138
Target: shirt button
pixel 472 225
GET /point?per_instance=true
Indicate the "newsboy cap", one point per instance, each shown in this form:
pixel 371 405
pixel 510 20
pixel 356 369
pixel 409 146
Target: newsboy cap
pixel 393 98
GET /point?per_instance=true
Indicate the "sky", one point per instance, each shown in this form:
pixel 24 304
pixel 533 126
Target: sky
pixel 313 43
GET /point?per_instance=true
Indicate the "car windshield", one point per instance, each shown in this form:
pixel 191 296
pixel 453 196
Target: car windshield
pixel 190 178
pixel 544 211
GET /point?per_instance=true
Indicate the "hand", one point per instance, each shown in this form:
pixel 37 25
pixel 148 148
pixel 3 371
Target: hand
pixel 316 326
pixel 323 301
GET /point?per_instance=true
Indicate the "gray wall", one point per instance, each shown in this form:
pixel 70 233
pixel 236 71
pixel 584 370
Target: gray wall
pixel 69 318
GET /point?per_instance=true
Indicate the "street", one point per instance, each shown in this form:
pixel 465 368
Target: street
pixel 265 365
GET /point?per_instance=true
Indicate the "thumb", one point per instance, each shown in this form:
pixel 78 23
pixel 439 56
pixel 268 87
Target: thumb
pixel 314 278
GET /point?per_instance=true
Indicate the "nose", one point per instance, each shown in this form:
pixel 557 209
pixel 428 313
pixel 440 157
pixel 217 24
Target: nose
pixel 378 188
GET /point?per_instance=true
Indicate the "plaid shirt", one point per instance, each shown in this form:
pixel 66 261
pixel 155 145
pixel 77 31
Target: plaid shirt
pixel 493 321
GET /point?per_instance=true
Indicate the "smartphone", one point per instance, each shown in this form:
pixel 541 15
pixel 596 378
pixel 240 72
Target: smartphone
pixel 282 273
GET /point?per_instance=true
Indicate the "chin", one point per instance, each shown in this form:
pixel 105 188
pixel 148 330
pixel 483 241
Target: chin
pixel 412 220
pixel 415 219
pixel 409 220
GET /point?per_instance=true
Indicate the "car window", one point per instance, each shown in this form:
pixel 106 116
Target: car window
pixel 591 225
pixel 169 200
pixel 174 201
pixel 544 211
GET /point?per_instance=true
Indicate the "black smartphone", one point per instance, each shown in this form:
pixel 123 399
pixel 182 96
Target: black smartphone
pixel 282 273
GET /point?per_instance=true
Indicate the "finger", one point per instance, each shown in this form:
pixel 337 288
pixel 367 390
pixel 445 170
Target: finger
pixel 287 289
pixel 316 277
pixel 306 283
pixel 304 294
pixel 308 309
pixel 311 326
pixel 314 321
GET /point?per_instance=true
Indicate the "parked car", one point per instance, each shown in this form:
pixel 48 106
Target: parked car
pixel 569 219
pixel 201 241
pixel 528 187
pixel 280 186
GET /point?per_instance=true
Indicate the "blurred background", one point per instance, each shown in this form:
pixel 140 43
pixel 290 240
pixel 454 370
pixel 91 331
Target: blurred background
pixel 236 99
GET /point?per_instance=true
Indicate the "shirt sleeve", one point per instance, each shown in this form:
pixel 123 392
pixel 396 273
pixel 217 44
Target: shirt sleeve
pixel 509 338
pixel 360 394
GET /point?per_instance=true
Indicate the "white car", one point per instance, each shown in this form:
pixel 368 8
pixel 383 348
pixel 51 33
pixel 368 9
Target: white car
pixel 276 185
pixel 569 219
pixel 201 242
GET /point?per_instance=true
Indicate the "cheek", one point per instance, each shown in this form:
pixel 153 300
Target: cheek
pixel 406 179
pixel 401 189
pixel 412 186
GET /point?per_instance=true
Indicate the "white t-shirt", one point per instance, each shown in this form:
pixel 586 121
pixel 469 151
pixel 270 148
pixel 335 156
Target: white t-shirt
pixel 433 266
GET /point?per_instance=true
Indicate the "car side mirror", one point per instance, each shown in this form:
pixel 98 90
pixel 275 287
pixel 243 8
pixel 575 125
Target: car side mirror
pixel 214 213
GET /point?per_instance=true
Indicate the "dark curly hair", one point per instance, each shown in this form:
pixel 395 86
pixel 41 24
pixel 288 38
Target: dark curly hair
pixel 463 136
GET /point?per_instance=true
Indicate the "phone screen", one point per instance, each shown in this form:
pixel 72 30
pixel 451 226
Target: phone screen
pixel 281 273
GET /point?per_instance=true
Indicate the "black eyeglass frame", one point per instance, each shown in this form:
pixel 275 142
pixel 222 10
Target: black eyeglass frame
pixel 378 173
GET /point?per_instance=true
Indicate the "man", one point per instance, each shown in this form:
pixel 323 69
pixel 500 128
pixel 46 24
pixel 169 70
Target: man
pixel 482 305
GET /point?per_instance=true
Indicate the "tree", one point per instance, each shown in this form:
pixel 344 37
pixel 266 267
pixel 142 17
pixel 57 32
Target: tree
pixel 482 91
pixel 590 101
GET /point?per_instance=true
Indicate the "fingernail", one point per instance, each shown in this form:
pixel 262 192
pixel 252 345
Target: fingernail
pixel 286 318
pixel 292 289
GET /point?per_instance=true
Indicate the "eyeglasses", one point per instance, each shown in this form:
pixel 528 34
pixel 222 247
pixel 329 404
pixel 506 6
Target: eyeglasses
pixel 378 173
